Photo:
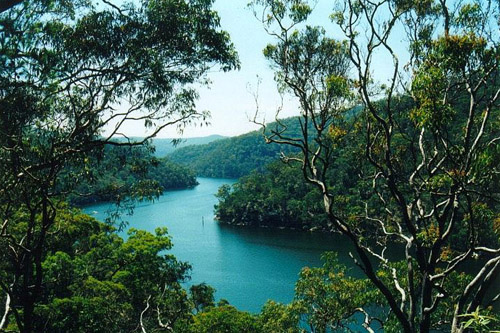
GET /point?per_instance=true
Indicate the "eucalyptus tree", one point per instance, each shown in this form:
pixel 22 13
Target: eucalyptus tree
pixel 428 144
pixel 73 74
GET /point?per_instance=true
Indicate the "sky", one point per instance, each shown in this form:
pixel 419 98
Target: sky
pixel 230 97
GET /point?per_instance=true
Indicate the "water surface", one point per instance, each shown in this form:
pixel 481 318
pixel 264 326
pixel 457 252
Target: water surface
pixel 246 266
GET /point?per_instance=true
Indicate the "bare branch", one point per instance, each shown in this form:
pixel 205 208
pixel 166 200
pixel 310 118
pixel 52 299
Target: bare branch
pixel 143 328
pixel 3 321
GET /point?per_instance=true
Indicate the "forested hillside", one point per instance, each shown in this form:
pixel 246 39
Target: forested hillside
pixel 418 170
pixel 273 198
pixel 277 196
pixel 234 157
pixel 121 171
pixel 165 146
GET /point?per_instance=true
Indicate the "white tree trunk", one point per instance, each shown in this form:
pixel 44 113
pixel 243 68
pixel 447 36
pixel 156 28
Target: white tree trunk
pixel 4 321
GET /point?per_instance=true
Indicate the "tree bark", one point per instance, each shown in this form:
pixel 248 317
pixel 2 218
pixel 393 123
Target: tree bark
pixel 5 317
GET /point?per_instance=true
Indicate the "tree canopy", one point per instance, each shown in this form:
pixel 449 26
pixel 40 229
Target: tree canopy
pixel 232 157
pixel 411 162
pixel 72 74
pixel 124 174
pixel 431 168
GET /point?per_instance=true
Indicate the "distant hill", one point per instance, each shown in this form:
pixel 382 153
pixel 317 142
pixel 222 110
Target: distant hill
pixel 165 146
pixel 233 157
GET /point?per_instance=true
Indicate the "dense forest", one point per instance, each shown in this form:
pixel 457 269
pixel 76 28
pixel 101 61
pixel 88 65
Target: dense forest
pixel 236 156
pixel 272 198
pixel 275 198
pixel 122 171
pixel 95 281
pixel 165 146
pixel 415 167
pixel 73 74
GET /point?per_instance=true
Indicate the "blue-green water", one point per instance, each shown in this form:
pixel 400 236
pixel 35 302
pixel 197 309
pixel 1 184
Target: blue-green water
pixel 246 266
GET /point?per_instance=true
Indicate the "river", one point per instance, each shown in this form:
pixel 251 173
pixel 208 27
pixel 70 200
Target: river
pixel 245 266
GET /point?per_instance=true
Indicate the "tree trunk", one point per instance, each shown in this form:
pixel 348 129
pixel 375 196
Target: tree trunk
pixel 5 318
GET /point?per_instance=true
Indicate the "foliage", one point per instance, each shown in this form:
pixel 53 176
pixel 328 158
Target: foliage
pixel 226 319
pixel 429 133
pixel 72 74
pixel 277 317
pixel 272 199
pixel 96 281
pixel 231 157
pixel 326 299
pixel 479 322
pixel 129 172
pixel 202 296
pixel 329 297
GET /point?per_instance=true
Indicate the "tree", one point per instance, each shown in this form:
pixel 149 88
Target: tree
pixel 428 140
pixel 202 296
pixel 224 318
pixel 71 76
pixel 277 317
pixel 272 199
pixel 330 298
pixel 121 173
pixel 96 281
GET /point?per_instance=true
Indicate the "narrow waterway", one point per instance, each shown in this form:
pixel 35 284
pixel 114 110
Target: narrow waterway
pixel 246 266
